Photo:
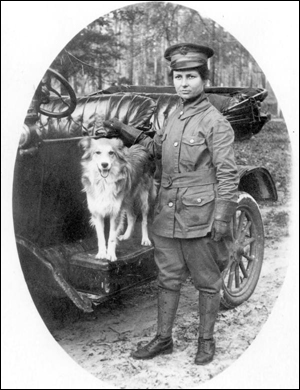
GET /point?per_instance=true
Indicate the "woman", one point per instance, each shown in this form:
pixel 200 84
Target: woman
pixel 196 201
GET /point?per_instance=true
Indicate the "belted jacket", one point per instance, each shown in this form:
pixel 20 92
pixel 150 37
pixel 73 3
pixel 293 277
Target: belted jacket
pixel 195 151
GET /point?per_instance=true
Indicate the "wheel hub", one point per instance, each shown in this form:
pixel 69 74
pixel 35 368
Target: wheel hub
pixel 237 250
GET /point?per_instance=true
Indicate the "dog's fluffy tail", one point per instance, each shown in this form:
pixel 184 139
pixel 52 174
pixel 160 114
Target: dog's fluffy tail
pixel 140 157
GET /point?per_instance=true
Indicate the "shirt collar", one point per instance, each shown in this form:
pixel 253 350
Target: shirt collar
pixel 193 107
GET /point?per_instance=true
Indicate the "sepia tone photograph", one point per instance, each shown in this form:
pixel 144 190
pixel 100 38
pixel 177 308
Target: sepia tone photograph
pixel 152 203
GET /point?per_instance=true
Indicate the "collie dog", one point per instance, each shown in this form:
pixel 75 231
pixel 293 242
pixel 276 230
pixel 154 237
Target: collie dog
pixel 118 183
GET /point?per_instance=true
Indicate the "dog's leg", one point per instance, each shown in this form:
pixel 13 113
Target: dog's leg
pixel 131 218
pixel 145 209
pixel 99 225
pixel 112 239
pixel 121 224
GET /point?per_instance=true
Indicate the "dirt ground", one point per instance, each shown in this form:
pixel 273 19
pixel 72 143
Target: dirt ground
pixel 101 343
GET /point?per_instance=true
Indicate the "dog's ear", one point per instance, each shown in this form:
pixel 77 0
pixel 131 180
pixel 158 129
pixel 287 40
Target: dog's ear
pixel 117 143
pixel 119 149
pixel 85 143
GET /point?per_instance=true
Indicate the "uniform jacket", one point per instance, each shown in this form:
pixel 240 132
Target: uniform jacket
pixel 195 149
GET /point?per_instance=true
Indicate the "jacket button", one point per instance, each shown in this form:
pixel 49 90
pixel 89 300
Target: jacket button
pixel 199 200
pixel 192 141
pixel 171 204
pixel 175 143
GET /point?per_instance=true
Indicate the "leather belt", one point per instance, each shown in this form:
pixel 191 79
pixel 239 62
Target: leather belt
pixel 189 179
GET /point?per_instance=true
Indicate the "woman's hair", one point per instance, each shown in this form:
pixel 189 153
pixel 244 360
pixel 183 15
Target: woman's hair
pixel 202 70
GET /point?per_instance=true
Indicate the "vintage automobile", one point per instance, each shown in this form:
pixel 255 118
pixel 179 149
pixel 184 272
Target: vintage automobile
pixel 55 241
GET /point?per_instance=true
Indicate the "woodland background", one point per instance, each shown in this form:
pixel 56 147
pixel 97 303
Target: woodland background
pixel 126 46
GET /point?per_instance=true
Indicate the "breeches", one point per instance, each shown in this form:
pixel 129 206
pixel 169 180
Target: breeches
pixel 176 258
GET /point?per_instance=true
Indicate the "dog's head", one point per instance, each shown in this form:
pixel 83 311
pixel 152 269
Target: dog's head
pixel 102 152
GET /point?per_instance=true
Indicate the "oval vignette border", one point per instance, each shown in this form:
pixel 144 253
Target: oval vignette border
pixel 28 345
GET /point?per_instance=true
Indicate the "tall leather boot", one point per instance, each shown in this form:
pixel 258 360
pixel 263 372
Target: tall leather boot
pixel 162 343
pixel 209 305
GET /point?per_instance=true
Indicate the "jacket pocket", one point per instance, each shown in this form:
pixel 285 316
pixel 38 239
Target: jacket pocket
pixel 192 151
pixel 197 208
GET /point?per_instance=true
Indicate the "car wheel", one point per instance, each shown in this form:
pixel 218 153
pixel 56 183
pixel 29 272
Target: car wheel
pixel 246 253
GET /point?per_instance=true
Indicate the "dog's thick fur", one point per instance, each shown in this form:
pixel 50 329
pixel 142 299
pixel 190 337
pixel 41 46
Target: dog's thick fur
pixel 117 181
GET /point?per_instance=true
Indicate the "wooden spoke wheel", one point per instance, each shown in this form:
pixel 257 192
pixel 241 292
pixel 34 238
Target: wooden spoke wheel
pixel 246 253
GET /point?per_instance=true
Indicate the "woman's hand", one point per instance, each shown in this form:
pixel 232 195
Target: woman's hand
pixel 113 124
pixel 220 230
pixel 130 135
pixel 224 210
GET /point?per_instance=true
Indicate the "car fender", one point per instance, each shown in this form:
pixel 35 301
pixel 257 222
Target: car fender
pixel 258 182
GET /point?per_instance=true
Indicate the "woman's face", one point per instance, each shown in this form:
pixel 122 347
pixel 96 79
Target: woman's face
pixel 188 83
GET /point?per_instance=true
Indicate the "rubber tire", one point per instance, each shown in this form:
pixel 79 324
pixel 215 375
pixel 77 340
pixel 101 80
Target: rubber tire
pixel 229 299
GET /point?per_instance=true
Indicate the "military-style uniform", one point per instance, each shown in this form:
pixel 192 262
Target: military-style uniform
pixel 197 162
pixel 197 198
pixel 198 166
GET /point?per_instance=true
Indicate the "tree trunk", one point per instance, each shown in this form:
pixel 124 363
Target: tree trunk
pixel 164 69
pixel 156 80
pixel 131 59
pixel 145 72
pixel 263 80
pixel 99 79
pixel 233 75
pixel 250 81
pixel 221 65
pixel 213 58
pixel 240 68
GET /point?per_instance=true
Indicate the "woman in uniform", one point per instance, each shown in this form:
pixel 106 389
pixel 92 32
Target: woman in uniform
pixel 196 200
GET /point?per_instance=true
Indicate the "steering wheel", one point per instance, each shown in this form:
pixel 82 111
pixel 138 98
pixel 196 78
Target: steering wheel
pixel 43 95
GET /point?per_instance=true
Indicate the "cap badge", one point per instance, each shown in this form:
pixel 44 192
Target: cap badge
pixel 183 50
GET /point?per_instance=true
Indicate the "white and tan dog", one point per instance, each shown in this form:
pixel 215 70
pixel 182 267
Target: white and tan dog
pixel 117 182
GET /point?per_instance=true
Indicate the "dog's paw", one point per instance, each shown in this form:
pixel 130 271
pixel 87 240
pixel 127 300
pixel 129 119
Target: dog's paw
pixel 101 254
pixel 111 257
pixel 123 237
pixel 146 242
